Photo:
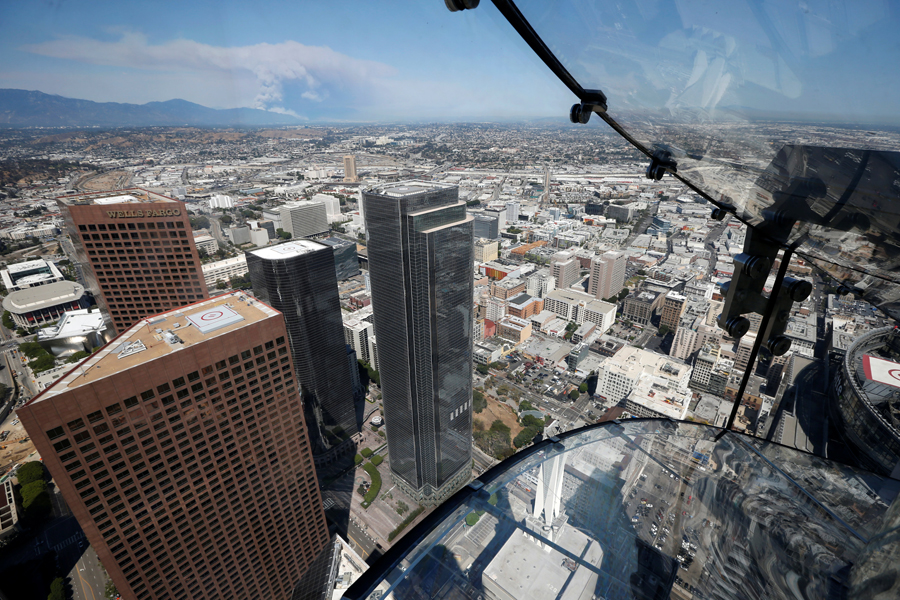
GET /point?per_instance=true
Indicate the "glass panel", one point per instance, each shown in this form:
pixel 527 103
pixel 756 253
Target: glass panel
pixel 770 108
pixel 640 508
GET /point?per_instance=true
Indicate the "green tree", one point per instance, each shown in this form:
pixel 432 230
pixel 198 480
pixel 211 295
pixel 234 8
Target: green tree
pixel 32 349
pixel 200 222
pixel 110 591
pixel 35 499
pixel 281 233
pixel 483 369
pixel 573 395
pixel 663 330
pixel 583 388
pixel 8 321
pixel 57 589
pixel 525 405
pixel 42 363
pixel 221 285
pixel 78 356
pixel 479 403
pixel 30 472
pixel 226 220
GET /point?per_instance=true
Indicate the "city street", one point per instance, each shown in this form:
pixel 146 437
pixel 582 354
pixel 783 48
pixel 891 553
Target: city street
pixel 87 577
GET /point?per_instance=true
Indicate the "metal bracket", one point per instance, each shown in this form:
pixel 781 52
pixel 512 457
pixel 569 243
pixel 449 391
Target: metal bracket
pixel 592 101
pixel 744 293
pixel 660 163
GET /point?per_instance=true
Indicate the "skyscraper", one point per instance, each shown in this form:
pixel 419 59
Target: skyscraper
pixel 298 279
pixel 135 251
pixel 305 218
pixel 565 269
pixel 350 169
pixel 607 274
pixel 512 212
pixel 180 449
pixel 672 308
pixel 420 263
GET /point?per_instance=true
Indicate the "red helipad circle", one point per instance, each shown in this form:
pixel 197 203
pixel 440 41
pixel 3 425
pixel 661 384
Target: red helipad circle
pixel 212 315
pixel 895 373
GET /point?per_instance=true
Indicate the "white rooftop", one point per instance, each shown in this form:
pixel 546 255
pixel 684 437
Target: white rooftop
pixel 123 199
pixel 74 323
pixel 288 250
pixel 27 266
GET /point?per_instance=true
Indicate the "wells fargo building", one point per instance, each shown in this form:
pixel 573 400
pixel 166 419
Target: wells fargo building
pixel 136 252
pixel 181 448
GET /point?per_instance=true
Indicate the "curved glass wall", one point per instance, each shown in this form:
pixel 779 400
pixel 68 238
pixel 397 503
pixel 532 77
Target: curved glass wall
pixel 644 509
pixel 769 109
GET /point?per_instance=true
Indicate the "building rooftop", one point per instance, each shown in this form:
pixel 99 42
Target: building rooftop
pixel 240 258
pixel 163 334
pixel 407 188
pixel 519 300
pixel 529 571
pixel 27 266
pixel 43 296
pixel 129 196
pixel 288 250
pixel 74 323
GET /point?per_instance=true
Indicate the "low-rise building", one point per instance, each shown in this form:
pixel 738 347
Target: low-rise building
pixel 622 372
pixel 486 250
pixel 224 270
pixel 514 329
pixel 206 243
pixel 36 306
pixel 524 306
pixel 28 274
pixel 584 330
pixel 507 288
pixel 9 516
pixel 655 399
pixel 77 331
pixel 639 307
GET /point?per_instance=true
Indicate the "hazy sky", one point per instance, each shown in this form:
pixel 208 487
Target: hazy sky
pixel 376 60
pixel 339 59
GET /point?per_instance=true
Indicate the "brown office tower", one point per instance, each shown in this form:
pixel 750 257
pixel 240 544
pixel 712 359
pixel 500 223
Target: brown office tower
pixel 181 449
pixel 136 252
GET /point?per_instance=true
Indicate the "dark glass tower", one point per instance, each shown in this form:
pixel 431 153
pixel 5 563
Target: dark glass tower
pixel 298 279
pixel 420 265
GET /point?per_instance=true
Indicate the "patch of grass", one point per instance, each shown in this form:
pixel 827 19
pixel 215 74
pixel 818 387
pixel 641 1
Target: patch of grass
pixel 403 525
pixel 473 517
pixel 370 496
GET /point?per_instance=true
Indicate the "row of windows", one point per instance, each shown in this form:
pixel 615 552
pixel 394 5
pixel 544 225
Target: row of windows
pixel 183 538
pixel 132 225
pixel 268 349
pixel 134 235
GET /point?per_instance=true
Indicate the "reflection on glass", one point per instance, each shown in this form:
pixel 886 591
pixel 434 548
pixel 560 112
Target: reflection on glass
pixel 651 509
pixel 778 111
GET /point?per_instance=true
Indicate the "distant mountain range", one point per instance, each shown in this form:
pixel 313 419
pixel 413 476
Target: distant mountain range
pixel 24 108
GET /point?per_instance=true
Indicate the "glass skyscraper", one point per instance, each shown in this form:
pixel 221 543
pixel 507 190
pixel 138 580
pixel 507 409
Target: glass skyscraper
pixel 420 249
pixel 298 279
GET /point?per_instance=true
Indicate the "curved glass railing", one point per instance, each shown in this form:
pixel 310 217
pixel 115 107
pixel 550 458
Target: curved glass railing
pixel 646 509
pixel 768 109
